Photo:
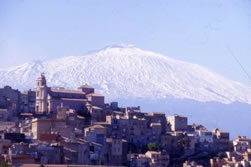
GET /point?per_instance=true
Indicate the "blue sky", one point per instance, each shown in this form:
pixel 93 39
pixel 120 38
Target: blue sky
pixel 191 30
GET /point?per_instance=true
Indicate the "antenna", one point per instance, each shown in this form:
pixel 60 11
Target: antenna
pixel 238 62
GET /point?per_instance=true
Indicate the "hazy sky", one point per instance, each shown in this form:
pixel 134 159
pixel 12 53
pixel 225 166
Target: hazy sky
pixel 197 31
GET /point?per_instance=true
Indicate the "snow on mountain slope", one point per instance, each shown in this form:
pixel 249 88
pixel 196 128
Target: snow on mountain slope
pixel 129 72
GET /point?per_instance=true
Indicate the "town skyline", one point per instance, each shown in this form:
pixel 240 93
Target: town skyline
pixel 55 126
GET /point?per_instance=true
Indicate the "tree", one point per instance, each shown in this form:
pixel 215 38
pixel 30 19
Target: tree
pixel 4 164
pixel 221 155
pixel 152 147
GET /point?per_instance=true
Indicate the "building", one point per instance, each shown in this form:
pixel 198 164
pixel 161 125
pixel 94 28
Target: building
pixel 28 100
pixel 13 96
pixel 132 128
pixel 156 132
pixel 205 136
pixel 177 122
pixel 41 126
pixel 47 126
pixel 76 152
pixel 25 127
pixel 48 154
pixel 4 114
pixel 96 99
pixel 48 99
pixel 241 144
pixel 4 146
pixel 5 103
pixel 99 129
pixel 158 159
pixel 116 154
pixel 139 160
pixel 221 140
pixel 98 114
pixel 191 164
pixel 157 117
pixel 7 125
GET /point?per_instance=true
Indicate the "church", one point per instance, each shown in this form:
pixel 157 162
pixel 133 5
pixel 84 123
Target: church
pixel 48 99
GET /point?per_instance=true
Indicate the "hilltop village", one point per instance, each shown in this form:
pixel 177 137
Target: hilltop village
pixel 53 127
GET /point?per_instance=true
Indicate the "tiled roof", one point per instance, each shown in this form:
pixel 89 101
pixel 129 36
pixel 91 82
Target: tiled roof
pixel 73 99
pixel 85 86
pixel 95 94
pixel 98 126
pixel 22 158
pixel 80 117
pixel 108 140
pixel 48 137
pixel 54 90
pixel 96 108
pixel 155 124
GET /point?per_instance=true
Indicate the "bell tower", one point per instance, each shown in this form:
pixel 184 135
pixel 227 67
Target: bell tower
pixel 41 94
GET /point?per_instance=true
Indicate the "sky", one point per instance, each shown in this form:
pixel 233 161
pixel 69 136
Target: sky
pixel 205 32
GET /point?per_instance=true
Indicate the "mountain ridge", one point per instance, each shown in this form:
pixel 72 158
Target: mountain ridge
pixel 130 72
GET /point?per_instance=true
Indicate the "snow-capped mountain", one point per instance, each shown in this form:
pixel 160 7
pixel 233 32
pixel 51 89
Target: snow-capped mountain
pixel 129 72
pixel 155 82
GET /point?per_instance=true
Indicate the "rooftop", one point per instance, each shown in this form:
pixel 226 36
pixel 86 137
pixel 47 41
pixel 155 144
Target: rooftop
pixel 48 137
pixel 98 126
pixel 86 86
pixel 95 94
pixel 109 140
pixel 96 108
pixel 155 124
pixel 55 90
pixel 72 99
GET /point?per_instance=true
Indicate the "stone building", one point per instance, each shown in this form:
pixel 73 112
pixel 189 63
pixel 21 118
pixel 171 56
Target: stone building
pixel 133 129
pixel 156 132
pixel 177 122
pixel 138 160
pixel 98 114
pixel 28 100
pixel 48 99
pixel 7 126
pixel 46 126
pixel 221 140
pixel 76 152
pixel 191 164
pixel 41 126
pixel 157 117
pixel 95 129
pixel 96 99
pixel 4 146
pixel 116 151
pixel 241 144
pixel 4 114
pixel 5 103
pixel 158 159
pixel 205 136
pixel 11 95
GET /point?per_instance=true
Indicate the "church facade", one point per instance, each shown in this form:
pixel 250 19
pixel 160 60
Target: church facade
pixel 49 99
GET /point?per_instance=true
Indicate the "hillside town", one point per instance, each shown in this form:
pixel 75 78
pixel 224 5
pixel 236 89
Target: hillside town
pixel 57 127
